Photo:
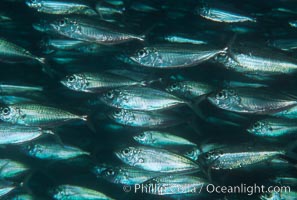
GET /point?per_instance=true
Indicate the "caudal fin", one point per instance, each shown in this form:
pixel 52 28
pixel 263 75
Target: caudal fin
pixel 41 60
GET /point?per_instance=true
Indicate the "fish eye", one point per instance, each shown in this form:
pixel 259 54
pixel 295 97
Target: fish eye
pixel 270 129
pixel 62 22
pixel 109 94
pixel 71 78
pixel 142 53
pixel 221 95
pixel 117 112
pixel 126 151
pixel 5 111
pixel 174 86
pixel 257 125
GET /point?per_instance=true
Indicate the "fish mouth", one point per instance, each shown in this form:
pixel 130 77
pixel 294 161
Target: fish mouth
pixel 118 154
pixel 63 82
pixel 249 130
pixel 132 58
pixel 211 100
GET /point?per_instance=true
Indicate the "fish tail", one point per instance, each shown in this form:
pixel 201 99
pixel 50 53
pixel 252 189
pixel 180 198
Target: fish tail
pixel 84 117
pixel 89 122
pixel 41 60
pixel 146 83
pixel 227 48
pixel 50 132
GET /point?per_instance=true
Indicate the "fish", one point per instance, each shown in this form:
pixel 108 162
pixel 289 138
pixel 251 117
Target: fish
pixel 127 175
pixel 109 10
pixel 161 139
pixel 12 53
pixel 10 169
pixel 285 194
pixel 52 151
pixel 175 185
pixel 287 44
pixel 223 16
pixel 285 180
pixel 231 158
pixel 73 192
pixel 115 2
pixel 204 147
pixel 6 187
pixel 97 82
pixel 23 197
pixel 174 56
pixel 293 23
pixel 11 99
pixel 289 113
pixel 18 89
pixel 31 114
pixel 181 39
pixel 189 89
pixel 273 127
pixel 257 63
pixel 155 159
pixel 251 100
pixel 145 119
pixel 143 7
pixel 141 98
pixel 64 7
pixel 17 134
pixel 53 44
pixel 90 31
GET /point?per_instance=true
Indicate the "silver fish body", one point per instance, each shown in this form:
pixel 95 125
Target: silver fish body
pixel 145 119
pixel 154 159
pixel 12 53
pixel 18 89
pixel 96 82
pixel 73 192
pixel 224 16
pixel 289 113
pixel 184 40
pixel 90 31
pixel 17 134
pixel 273 127
pixel 189 89
pixel 127 175
pixel 31 114
pixel 175 185
pixel 174 56
pixel 6 187
pixel 250 100
pixel 52 151
pixel 63 7
pixel 141 98
pixel 12 169
pixel 258 63
pixel 161 139
pixel 229 158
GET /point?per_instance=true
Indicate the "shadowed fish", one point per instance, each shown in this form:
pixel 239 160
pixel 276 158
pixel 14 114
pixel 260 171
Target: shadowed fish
pixel 12 53
pixel 30 114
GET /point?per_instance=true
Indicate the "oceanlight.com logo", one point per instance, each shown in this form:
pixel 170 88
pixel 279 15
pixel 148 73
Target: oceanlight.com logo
pixel 163 189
